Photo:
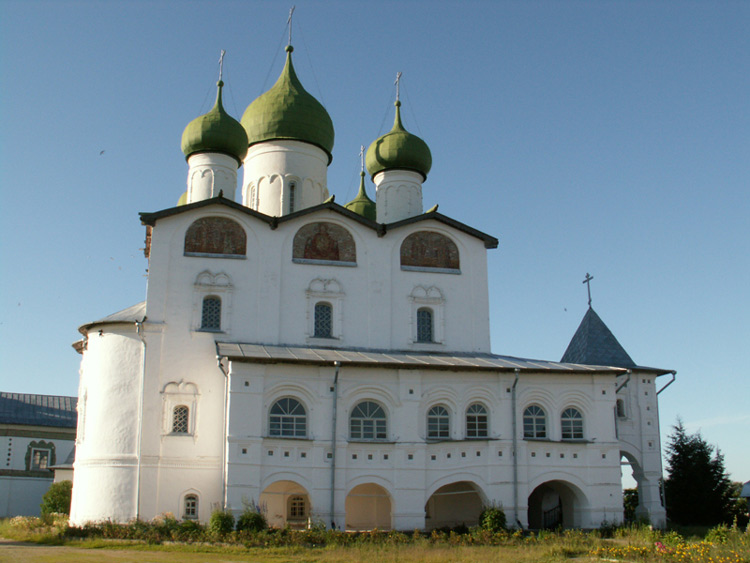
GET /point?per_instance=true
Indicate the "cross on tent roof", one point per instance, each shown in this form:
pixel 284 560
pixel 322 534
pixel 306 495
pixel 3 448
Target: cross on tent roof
pixel 587 281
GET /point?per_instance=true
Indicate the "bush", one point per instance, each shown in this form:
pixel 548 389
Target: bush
pixel 57 498
pixel 221 522
pixel 492 519
pixel 251 520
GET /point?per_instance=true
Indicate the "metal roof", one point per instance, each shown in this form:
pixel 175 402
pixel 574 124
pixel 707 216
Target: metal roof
pixel 267 354
pixel 132 314
pixel 38 410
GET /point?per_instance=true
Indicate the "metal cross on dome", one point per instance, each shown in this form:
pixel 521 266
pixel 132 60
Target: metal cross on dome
pixel 362 157
pixel 221 64
pixel 289 23
pixel 398 86
pixel 587 281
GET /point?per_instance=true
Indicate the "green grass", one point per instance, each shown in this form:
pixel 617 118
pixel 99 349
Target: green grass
pixel 52 540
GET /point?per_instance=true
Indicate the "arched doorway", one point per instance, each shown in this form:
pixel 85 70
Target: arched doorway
pixel 453 505
pixel 368 506
pixel 555 504
pixel 286 503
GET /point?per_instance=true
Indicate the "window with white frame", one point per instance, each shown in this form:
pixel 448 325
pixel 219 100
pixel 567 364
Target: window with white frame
pixel 571 424
pixel 40 455
pixel 212 302
pixel 428 314
pixel 438 423
pixel 190 507
pixel 534 422
pixel 476 421
pixel 368 422
pixel 325 302
pixel 180 407
pixel 287 419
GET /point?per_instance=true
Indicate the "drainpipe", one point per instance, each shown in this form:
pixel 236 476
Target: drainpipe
pixel 674 376
pixel 224 472
pixel 336 365
pixel 139 331
pixel 624 383
pixel 515 447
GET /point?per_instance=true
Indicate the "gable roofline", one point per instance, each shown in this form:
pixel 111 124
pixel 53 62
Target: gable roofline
pixel 148 218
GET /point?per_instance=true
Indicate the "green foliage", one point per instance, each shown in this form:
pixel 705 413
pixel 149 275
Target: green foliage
pixel 57 498
pixel 698 491
pixel 492 519
pixel 221 522
pixel 251 520
pixel 630 503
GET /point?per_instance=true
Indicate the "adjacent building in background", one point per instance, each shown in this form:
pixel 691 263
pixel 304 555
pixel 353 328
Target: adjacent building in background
pixel 333 362
pixel 36 432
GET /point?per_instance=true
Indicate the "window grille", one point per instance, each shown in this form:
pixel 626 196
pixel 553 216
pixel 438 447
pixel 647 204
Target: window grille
pixel 534 422
pixel 288 419
pixel 368 422
pixel 292 189
pixel 476 421
pixel 424 325
pixel 211 317
pixel 438 422
pixel 180 419
pixel 323 320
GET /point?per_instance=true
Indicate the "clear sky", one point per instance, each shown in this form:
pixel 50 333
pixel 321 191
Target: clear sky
pixel 603 137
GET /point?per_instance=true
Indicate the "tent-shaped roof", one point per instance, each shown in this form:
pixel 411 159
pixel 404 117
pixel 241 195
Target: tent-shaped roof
pixel 594 344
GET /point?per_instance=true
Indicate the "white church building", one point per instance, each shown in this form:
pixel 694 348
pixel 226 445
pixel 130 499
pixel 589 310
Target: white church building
pixel 332 363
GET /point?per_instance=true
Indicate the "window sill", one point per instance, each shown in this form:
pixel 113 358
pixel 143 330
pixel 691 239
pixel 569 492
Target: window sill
pixel 374 441
pixel 212 255
pixel 565 441
pixel 211 330
pixel 297 438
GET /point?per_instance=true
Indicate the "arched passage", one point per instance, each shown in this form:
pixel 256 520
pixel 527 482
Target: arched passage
pixel 650 507
pixel 286 504
pixel 555 504
pixel 368 506
pixel 453 505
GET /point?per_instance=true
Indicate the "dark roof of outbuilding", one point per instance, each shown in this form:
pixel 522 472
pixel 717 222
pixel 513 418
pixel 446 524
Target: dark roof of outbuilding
pixel 38 410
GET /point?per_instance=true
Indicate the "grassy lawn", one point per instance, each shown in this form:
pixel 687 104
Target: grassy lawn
pixel 30 539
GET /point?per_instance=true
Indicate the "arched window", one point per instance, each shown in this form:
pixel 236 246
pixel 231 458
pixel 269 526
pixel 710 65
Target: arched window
pixel 190 507
pixel 323 320
pixel 288 419
pixel 425 332
pixel 438 422
pixel 292 189
pixel 476 421
pixel 620 408
pixel 368 422
pixel 211 315
pixel 571 424
pixel 180 420
pixel 534 422
pixel 297 508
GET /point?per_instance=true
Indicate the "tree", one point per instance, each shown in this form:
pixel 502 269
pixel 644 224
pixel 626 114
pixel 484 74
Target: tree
pixel 57 498
pixel 698 490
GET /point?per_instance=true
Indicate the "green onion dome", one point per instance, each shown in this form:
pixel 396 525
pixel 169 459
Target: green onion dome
pixel 183 199
pixel 288 111
pixel 362 205
pixel 216 131
pixel 399 149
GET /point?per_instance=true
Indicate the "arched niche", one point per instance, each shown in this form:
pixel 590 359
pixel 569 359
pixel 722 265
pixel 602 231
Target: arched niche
pixel 428 250
pixel 324 243
pixel 215 236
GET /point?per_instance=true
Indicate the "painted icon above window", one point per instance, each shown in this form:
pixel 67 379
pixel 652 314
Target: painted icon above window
pixel 324 242
pixel 429 250
pixel 215 236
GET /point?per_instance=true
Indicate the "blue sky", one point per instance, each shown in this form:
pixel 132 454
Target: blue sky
pixel 603 137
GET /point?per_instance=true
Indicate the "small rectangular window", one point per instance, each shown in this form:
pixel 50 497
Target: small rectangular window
pixel 40 459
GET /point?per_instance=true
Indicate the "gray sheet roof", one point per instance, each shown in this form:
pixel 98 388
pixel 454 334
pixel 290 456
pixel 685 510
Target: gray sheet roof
pixel 38 410
pixel 133 313
pixel 261 353
pixel 593 343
